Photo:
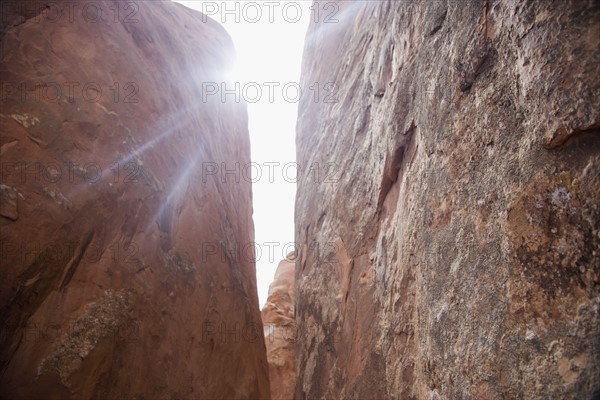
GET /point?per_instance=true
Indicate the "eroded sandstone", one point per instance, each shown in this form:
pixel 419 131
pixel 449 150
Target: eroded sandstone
pixel 457 253
pixel 115 279
pixel 281 332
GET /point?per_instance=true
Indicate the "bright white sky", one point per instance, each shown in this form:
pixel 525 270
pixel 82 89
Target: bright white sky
pixel 268 50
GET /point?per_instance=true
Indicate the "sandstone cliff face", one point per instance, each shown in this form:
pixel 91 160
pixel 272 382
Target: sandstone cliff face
pixel 455 254
pixel 280 330
pixel 120 273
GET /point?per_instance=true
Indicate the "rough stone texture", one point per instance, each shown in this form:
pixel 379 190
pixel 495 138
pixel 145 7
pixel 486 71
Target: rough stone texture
pixel 455 254
pixel 121 273
pixel 280 330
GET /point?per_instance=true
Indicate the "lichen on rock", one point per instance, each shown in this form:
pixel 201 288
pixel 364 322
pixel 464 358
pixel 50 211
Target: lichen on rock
pixel 100 319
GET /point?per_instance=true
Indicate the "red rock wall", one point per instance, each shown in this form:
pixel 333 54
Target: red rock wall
pixel 281 331
pixel 454 253
pixel 120 276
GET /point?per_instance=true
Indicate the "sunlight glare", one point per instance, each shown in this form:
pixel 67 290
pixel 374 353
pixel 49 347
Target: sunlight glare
pixel 268 52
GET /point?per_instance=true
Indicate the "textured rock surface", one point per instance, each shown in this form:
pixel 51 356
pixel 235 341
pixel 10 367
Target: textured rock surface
pixel 120 274
pixel 456 253
pixel 280 330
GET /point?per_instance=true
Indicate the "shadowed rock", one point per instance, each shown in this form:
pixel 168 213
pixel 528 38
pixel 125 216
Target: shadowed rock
pixel 119 272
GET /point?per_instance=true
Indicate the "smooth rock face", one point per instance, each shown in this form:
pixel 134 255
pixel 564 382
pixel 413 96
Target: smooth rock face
pixel 121 271
pixel 280 330
pixel 450 247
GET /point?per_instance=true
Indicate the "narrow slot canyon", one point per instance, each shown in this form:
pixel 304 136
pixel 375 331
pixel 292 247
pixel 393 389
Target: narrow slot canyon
pixel 300 200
